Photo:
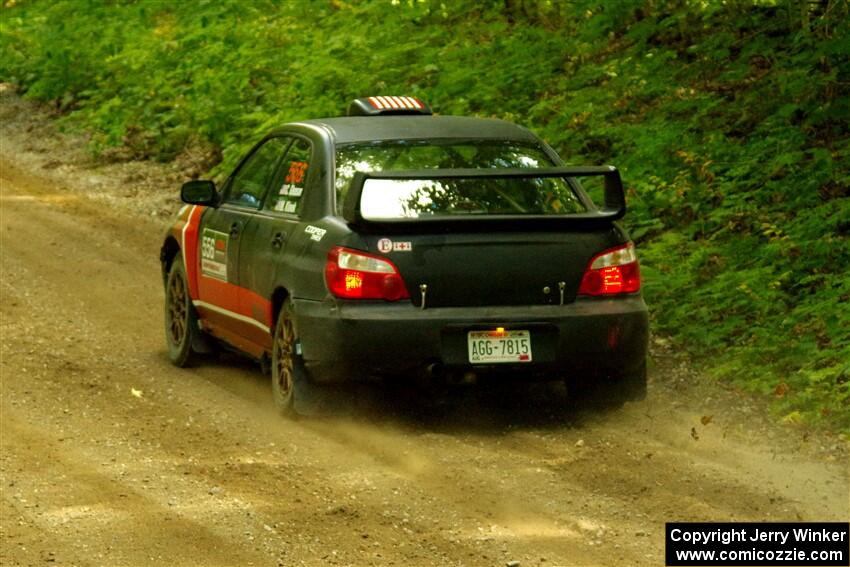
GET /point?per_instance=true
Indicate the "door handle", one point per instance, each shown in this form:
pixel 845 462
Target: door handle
pixel 277 240
pixel 234 230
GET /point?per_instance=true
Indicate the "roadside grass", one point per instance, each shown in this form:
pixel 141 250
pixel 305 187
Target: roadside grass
pixel 729 121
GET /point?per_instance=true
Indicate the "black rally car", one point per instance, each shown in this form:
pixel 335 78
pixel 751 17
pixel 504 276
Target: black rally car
pixel 393 243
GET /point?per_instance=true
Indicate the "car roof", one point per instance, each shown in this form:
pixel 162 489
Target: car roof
pixel 348 129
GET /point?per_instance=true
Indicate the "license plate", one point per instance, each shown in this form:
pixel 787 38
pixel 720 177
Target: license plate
pixel 493 346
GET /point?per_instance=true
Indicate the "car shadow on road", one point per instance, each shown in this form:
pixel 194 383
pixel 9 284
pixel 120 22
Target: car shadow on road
pixel 486 408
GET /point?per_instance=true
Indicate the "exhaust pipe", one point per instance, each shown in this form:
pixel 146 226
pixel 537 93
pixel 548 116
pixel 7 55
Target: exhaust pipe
pixel 430 375
pixel 435 370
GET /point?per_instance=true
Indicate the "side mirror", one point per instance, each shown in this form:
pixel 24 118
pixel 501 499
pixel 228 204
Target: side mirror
pixel 199 192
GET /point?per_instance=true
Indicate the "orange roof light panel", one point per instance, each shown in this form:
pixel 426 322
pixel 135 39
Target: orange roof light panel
pixel 383 105
pixel 396 102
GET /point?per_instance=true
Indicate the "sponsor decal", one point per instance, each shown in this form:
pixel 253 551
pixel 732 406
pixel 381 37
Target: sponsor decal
pixel 315 232
pixel 385 245
pixel 287 190
pixel 286 206
pixel 214 254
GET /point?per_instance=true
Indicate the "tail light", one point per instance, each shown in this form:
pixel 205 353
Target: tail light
pixel 351 274
pixel 612 272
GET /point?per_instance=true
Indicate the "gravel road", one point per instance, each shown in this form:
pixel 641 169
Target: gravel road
pixel 111 456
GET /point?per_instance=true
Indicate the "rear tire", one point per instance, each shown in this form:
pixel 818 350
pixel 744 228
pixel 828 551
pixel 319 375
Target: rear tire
pixel 633 385
pixel 295 392
pixel 608 390
pixel 181 319
pixel 287 368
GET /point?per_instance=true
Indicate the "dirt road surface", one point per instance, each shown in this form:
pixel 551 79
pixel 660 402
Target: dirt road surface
pixel 111 456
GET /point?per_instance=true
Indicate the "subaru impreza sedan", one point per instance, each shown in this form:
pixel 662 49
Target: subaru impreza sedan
pixel 392 243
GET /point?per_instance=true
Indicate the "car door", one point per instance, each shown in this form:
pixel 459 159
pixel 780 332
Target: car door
pixel 268 236
pixel 221 242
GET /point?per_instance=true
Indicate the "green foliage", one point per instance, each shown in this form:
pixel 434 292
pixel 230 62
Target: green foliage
pixel 728 119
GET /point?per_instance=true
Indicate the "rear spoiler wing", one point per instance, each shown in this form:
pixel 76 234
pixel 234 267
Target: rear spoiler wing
pixel 612 209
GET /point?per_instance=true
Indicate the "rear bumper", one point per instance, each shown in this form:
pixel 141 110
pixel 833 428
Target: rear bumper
pixel 347 340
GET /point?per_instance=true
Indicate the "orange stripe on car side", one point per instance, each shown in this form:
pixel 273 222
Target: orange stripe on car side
pixel 189 245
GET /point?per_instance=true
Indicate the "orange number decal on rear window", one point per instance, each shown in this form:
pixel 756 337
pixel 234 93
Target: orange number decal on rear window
pixel 296 172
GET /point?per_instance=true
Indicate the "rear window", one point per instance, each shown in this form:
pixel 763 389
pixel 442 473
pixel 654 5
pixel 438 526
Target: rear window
pixel 388 199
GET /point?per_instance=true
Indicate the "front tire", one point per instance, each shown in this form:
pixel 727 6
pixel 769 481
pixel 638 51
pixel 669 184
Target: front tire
pixel 181 319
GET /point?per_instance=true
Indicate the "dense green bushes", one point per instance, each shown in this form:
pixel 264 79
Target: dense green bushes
pixel 729 120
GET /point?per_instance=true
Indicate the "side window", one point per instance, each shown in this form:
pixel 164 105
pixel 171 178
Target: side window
pixel 288 187
pixel 250 182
